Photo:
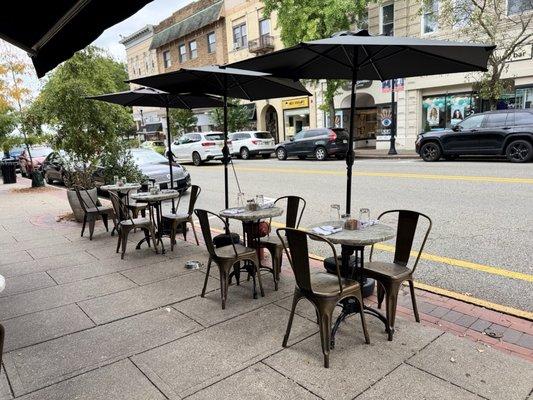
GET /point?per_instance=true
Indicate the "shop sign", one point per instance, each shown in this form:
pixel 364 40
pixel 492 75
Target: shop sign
pixel 301 102
pixel 399 85
pixel 363 84
pixel 522 53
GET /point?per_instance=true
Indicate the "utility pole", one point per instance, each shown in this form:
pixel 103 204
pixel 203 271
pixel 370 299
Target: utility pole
pixel 392 148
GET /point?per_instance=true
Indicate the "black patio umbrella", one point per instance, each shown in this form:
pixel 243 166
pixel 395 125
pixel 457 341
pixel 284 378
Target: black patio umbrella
pixel 358 55
pixel 226 82
pixel 52 31
pixel 149 97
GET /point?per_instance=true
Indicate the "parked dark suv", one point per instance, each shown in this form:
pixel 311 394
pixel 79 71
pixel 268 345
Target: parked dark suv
pixel 319 143
pixel 505 132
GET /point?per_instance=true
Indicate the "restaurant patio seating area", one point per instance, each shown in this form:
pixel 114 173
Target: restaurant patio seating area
pixel 82 323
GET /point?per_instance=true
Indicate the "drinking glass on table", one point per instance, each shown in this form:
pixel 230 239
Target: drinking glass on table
pixel 115 179
pixel 260 199
pixel 124 180
pixel 364 215
pixel 240 199
pixel 335 212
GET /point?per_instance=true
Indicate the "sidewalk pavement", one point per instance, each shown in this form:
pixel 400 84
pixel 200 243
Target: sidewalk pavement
pixel 83 324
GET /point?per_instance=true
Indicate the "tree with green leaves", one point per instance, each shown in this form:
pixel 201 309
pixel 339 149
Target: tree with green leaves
pixel 181 121
pixel 304 20
pixel 508 25
pixel 238 116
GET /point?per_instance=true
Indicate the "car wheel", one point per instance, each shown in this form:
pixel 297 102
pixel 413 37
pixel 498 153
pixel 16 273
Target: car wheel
pixel 281 153
pixel 245 153
pixel 196 159
pixel 48 179
pixel 321 153
pixel 265 156
pixel 430 152
pixel 519 151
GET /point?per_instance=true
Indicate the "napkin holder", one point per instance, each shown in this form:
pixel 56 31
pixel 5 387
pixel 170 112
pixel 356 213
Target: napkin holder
pixel 351 224
pixel 251 205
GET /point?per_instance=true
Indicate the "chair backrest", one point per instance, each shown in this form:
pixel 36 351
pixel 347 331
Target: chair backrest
pixel 298 254
pixel 405 234
pixel 195 192
pixel 203 217
pixel 294 213
pixel 119 207
pixel 85 198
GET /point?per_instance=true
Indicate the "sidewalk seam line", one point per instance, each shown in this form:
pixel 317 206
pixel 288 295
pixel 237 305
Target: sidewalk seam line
pixel 146 376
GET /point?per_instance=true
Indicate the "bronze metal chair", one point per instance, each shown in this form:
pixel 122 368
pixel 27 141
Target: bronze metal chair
pixel 93 210
pixel 129 223
pixel 295 209
pixel 390 276
pixel 225 257
pixel 323 290
pixel 183 218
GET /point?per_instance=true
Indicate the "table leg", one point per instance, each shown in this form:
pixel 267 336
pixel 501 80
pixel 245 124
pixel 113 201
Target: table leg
pixel 159 226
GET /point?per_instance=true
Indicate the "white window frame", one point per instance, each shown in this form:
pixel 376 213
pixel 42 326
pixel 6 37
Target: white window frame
pixel 422 20
pixel 165 64
pixel 209 44
pixel 183 57
pixel 244 43
pixel 195 49
pixel 381 17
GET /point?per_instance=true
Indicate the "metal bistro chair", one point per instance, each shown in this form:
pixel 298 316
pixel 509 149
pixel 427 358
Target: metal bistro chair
pixel 390 276
pixel 293 217
pixel 127 224
pixel 225 257
pixel 93 211
pixel 323 290
pixel 183 218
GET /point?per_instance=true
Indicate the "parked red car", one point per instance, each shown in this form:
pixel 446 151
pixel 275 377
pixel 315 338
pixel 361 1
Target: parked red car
pixel 38 154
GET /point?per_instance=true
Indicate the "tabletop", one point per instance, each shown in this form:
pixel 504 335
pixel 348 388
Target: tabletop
pixel 361 237
pixel 248 216
pixel 166 194
pixel 124 188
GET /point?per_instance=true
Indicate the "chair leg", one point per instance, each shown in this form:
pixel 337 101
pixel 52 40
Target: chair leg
pixel 295 300
pixel 124 239
pixel 258 273
pixel 325 333
pixel 390 302
pixel 146 232
pixel 206 277
pixel 154 238
pixel 223 288
pixel 381 293
pixel 91 227
pixel 104 220
pixel 2 336
pixel 363 319
pixel 115 228
pixel 194 232
pixel 173 235
pixel 84 223
pixel 119 240
pixel 413 300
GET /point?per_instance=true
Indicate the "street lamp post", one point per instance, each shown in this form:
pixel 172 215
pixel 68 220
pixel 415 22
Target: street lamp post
pixel 392 148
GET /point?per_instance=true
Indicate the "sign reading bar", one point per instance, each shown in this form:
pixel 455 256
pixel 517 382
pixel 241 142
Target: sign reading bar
pixel 301 102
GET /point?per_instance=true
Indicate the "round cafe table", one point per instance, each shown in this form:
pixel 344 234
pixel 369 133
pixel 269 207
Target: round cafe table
pixel 250 226
pixel 353 242
pixel 154 201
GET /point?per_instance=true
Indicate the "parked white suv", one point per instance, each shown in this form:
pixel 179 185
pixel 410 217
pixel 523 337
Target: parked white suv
pixel 199 147
pixel 247 144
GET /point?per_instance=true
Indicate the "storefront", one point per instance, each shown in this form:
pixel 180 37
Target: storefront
pixel 295 115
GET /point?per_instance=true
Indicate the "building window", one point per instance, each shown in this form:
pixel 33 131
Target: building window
pixel 445 111
pixel 166 59
pixel 519 6
pixel 264 27
pixel 211 42
pixel 429 16
pixel 387 20
pixel 182 51
pixel 240 38
pixel 193 49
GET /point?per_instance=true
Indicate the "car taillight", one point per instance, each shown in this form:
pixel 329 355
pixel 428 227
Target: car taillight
pixel 332 136
pixel 208 144
pixel 255 141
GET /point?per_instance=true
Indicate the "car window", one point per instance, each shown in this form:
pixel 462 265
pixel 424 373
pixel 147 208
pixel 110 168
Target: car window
pixel 41 151
pixel 312 133
pixel 214 136
pixel 142 157
pixel 263 135
pixel 299 135
pixel 523 118
pixel 495 120
pixel 184 139
pixel 471 122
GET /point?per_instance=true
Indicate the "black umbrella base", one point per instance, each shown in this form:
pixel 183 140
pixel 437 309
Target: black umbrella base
pixel 368 284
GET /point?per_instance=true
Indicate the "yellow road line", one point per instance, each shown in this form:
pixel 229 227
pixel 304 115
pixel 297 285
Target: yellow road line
pixel 341 172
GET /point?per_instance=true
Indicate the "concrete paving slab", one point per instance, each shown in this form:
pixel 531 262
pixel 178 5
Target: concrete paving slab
pixel 109 253
pixel 133 301
pixel 407 382
pixel 121 380
pixel 25 283
pixel 44 325
pixel 354 365
pixel 56 296
pixel 5 391
pixel 14 257
pixel 490 373
pixel 46 363
pixel 304 308
pixel 47 263
pixel 185 366
pixel 208 310
pixel 256 382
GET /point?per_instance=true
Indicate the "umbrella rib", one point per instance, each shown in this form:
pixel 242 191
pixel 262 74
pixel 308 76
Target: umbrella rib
pixel 366 60
pixel 237 84
pixel 348 56
pixel 319 55
pixel 380 75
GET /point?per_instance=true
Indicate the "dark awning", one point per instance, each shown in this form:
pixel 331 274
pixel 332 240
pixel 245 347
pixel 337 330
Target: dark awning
pixel 52 31
pixel 188 25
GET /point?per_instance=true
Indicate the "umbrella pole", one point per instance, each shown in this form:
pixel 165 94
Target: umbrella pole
pixel 350 154
pixel 225 153
pixel 170 158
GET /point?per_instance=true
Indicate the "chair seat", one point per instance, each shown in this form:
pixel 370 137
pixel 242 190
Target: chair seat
pixel 137 206
pixel 270 241
pixel 324 283
pixel 101 210
pixel 385 270
pixel 177 217
pixel 136 222
pixel 227 251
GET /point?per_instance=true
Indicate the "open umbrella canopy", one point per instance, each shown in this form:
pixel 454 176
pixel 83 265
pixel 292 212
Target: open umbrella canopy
pixel 219 80
pixel 373 57
pixel 52 31
pixel 149 97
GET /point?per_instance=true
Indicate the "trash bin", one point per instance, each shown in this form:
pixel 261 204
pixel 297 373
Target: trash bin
pixel 9 172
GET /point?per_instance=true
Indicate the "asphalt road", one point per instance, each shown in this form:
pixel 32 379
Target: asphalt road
pixel 482 211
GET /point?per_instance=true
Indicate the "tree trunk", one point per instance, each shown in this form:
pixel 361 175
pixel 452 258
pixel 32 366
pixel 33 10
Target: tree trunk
pixel 331 108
